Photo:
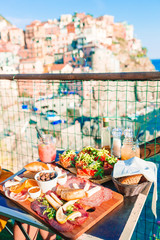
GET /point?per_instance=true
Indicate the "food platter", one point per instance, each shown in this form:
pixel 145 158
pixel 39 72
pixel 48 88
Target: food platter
pixel 91 163
pixel 98 181
pixel 94 213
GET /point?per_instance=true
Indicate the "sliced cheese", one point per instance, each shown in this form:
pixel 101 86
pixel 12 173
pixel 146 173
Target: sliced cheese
pixel 58 170
pixel 49 166
pixel 53 203
pixel 87 186
pixel 17 178
pixel 10 183
pixel 74 215
pixel 75 185
pixel 71 202
pixel 56 199
pixel 93 191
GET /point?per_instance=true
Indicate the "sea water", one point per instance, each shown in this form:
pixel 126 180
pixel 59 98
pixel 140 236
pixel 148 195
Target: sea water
pixel 156 63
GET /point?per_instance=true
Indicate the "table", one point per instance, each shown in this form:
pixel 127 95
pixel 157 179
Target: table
pixel 118 224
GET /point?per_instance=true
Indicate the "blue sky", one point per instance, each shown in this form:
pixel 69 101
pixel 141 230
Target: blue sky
pixel 144 15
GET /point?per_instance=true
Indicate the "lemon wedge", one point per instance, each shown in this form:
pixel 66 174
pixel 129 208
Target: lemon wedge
pixel 60 216
pixel 69 203
pixel 74 215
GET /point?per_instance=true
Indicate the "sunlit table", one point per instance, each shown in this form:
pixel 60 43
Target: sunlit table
pixel 118 224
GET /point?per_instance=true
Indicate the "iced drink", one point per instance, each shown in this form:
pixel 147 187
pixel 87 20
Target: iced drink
pixel 129 151
pixel 130 147
pixel 47 149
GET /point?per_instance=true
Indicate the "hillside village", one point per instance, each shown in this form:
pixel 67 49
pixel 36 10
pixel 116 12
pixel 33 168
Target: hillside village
pixel 72 44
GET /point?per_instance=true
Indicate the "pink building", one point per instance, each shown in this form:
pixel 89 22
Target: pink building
pixel 4 35
pixel 32 29
pixel 36 48
pixel 107 19
pixel 80 15
pixel 31 65
pixel 51 29
pixel 119 30
pixel 88 21
pixel 16 36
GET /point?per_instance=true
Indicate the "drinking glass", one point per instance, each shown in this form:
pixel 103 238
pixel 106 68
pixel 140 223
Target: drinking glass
pixel 47 148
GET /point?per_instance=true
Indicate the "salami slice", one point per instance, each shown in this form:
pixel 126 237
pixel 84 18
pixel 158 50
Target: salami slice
pixel 66 227
pixel 84 215
pixel 22 196
pixel 81 182
pixel 96 199
pixel 39 209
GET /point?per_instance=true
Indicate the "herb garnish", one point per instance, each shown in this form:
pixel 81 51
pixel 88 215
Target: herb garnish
pixel 43 201
pixel 69 210
pixel 51 212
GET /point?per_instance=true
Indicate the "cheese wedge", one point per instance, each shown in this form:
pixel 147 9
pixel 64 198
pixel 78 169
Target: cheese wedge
pixel 71 202
pixel 53 203
pixel 56 199
pixel 75 185
pixel 17 178
pixel 92 191
pixel 10 183
pixel 87 186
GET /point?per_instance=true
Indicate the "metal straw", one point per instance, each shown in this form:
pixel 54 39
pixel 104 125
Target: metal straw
pixel 39 134
pixel 136 137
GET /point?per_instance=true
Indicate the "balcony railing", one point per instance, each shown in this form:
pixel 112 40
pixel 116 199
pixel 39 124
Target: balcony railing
pixel 71 108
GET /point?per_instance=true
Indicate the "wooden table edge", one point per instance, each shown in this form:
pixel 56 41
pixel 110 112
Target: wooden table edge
pixel 135 213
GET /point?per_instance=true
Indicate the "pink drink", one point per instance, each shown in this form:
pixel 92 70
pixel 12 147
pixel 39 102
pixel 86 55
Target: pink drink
pixel 47 149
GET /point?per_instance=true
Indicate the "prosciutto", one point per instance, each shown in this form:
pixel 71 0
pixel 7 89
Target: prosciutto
pixel 22 196
pixel 39 208
pixel 96 199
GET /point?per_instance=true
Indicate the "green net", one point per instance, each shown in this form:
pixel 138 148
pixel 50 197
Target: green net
pixel 72 112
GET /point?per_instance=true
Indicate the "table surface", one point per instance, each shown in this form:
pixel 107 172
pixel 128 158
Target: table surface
pixel 115 225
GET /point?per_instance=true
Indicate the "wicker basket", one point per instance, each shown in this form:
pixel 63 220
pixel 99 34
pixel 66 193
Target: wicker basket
pixel 129 190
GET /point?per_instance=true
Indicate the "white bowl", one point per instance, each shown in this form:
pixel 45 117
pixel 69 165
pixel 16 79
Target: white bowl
pixel 36 194
pixel 62 179
pixel 47 185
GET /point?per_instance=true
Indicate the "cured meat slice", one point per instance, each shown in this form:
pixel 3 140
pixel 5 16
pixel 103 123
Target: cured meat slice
pixel 40 208
pixel 98 198
pixel 22 196
pixel 68 226
pixel 81 182
pixel 84 215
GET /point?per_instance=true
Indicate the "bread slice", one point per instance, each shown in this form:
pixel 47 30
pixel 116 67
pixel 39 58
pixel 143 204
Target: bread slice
pixel 131 180
pixel 72 194
pixel 29 174
pixel 36 166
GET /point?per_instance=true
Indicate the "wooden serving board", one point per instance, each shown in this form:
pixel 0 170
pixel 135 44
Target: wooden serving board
pixel 98 181
pixel 95 214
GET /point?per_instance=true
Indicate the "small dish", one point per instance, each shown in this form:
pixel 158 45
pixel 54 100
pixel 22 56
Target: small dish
pixel 62 179
pixel 46 185
pixel 34 192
